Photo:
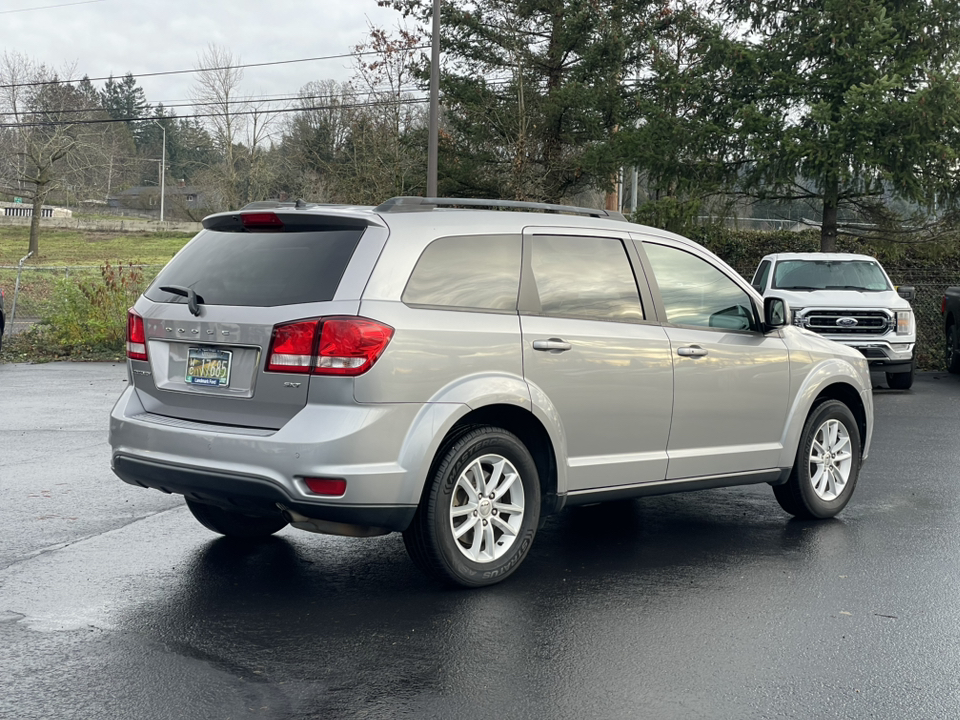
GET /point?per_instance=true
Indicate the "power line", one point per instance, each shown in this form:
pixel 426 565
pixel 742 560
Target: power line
pixel 252 99
pixel 38 83
pixel 108 121
pixel 49 7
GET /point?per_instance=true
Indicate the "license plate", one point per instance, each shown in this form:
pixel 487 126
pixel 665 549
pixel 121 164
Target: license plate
pixel 206 366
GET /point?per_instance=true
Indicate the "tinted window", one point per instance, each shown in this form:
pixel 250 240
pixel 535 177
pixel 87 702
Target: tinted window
pixel 856 275
pixel 696 293
pixel 477 272
pixel 585 277
pixel 261 269
pixel 760 277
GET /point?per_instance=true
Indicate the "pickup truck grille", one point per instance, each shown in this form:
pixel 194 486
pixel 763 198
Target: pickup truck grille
pixel 849 323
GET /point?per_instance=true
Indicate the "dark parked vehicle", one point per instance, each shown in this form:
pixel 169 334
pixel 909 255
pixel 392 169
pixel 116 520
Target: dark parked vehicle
pixel 950 310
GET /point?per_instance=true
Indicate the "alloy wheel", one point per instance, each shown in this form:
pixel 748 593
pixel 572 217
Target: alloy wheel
pixel 486 509
pixel 831 460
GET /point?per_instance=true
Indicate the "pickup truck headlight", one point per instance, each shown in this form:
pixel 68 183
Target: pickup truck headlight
pixel 797 320
pixel 904 322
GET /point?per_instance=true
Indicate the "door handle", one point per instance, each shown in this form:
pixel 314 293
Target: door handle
pixel 554 345
pixel 691 351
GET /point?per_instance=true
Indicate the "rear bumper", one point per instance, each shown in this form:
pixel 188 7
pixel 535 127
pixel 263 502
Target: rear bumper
pixel 251 494
pixel 256 471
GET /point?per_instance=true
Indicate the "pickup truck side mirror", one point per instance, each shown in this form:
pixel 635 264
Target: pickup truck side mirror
pixel 907 292
pixel 776 313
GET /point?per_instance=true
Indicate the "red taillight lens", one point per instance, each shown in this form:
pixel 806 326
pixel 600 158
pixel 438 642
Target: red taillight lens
pixel 350 345
pixel 261 221
pixel 292 347
pixel 326 486
pixel 328 346
pixel 943 305
pixel 136 336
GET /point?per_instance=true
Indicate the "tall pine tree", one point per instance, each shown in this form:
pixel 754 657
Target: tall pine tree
pixel 853 101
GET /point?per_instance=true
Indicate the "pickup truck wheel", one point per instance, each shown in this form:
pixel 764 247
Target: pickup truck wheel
pixel 480 510
pixel 827 466
pixel 900 381
pixel 952 351
pixel 235 524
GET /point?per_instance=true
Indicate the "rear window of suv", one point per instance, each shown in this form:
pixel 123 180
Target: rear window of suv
pixel 259 269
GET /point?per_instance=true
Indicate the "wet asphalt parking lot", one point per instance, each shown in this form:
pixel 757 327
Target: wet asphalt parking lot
pixel 116 603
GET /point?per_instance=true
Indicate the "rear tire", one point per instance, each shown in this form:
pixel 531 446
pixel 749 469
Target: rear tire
pixel 235 524
pixel 827 465
pixel 901 381
pixel 479 512
pixel 952 351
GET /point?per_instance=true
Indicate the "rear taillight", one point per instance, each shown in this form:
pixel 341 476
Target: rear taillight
pixel 350 346
pixel 328 346
pixel 136 337
pixel 292 347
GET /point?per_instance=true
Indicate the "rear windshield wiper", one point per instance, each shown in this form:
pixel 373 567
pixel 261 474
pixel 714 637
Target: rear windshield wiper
pixel 194 301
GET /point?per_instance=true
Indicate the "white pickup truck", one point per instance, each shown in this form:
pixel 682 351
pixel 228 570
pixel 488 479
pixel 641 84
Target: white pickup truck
pixel 847 298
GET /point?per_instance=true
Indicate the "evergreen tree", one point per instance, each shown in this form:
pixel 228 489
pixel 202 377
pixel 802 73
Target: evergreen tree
pixel 123 99
pixel 850 99
pixel 529 88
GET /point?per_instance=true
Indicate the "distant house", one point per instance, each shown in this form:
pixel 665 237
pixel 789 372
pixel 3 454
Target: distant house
pixel 144 197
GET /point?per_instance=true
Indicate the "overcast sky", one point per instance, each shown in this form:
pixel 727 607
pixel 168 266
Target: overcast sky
pixel 104 37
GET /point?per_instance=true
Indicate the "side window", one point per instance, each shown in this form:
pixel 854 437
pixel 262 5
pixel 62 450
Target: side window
pixel 760 276
pixel 584 277
pixel 696 293
pixel 468 272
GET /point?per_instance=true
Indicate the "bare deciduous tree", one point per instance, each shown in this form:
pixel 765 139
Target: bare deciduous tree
pixel 40 132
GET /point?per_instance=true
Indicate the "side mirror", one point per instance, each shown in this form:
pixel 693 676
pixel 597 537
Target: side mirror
pixel 776 313
pixel 907 292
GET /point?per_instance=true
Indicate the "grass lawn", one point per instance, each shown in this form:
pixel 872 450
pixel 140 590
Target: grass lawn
pixel 79 247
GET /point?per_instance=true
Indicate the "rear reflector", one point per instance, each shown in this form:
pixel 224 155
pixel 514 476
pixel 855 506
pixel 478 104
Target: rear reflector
pixel 327 346
pixel 136 337
pixel 326 486
pixel 261 221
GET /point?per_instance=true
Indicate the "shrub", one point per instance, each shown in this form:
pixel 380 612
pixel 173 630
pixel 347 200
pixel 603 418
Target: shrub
pixel 90 314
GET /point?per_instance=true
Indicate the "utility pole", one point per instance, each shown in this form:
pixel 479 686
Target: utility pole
pixel 163 166
pixel 433 141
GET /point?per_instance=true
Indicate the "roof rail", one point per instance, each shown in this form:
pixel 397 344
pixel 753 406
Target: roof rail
pixel 421 204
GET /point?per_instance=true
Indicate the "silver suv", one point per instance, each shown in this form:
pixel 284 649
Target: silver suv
pixel 458 374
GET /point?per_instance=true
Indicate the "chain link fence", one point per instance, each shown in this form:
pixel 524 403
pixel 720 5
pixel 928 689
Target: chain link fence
pixel 930 285
pixel 30 292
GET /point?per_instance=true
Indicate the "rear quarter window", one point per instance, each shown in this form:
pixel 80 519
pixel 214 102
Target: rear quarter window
pixel 468 273
pixel 259 269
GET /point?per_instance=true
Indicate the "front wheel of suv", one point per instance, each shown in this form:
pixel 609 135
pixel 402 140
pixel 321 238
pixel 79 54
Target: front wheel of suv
pixel 480 510
pixel 827 465
pixel 235 524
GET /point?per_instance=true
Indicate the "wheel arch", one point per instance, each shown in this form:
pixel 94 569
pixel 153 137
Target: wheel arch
pixel 844 386
pixel 528 429
pixel 849 396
